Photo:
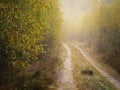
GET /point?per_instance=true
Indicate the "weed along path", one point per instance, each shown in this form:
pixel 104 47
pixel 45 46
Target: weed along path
pixel 113 81
pixel 65 75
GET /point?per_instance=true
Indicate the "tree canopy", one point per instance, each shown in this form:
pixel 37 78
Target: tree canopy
pixel 28 29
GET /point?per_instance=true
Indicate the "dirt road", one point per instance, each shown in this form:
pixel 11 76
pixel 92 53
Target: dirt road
pixel 65 75
pixel 77 62
pixel 115 82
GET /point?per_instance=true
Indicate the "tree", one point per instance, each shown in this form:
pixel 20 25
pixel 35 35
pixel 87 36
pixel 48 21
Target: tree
pixel 27 30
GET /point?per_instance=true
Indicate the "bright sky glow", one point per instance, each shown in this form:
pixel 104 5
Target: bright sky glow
pixel 73 10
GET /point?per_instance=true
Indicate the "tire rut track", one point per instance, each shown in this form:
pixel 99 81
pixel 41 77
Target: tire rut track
pixel 114 81
pixel 65 75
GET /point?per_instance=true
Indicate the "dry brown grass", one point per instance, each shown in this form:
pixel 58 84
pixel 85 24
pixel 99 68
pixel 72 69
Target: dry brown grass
pixel 105 63
pixel 86 77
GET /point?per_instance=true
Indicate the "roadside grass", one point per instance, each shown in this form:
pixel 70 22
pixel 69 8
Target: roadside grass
pixel 106 66
pixel 59 67
pixel 86 77
pixel 40 76
pixel 101 62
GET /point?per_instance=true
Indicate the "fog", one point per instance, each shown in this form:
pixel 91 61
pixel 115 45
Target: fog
pixel 73 13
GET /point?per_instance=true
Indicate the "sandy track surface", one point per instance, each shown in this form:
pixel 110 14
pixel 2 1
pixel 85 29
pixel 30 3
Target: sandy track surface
pixel 65 75
pixel 115 82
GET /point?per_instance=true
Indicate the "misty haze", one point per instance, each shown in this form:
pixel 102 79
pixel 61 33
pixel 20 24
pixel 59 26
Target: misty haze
pixel 60 44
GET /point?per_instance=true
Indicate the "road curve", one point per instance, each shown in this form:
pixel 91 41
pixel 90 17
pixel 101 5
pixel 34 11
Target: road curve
pixel 114 81
pixel 65 78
